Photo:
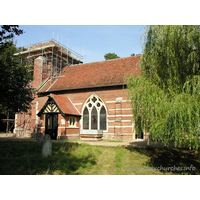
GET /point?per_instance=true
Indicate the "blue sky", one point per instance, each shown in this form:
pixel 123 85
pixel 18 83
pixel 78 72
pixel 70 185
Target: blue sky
pixel 93 41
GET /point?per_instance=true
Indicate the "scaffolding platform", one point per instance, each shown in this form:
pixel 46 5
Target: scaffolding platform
pixel 50 47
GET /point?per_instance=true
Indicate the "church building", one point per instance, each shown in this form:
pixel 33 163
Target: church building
pixel 75 100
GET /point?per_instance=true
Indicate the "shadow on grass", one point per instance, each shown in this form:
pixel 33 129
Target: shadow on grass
pixel 175 160
pixel 25 158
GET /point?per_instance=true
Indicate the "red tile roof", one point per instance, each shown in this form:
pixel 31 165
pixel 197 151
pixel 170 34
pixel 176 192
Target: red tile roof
pixel 65 105
pixel 97 74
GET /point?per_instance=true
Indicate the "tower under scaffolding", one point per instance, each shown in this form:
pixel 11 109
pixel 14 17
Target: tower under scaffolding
pixel 54 55
pixel 50 59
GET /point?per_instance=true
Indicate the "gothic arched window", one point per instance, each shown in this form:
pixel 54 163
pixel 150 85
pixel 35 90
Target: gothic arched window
pixel 85 118
pixel 94 118
pixel 94 114
pixel 103 118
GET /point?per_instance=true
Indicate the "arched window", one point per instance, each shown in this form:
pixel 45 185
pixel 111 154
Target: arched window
pixel 94 118
pixel 94 114
pixel 103 118
pixel 85 118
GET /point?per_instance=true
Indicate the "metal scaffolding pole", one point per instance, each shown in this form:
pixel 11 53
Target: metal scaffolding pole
pixel 29 54
pixel 67 51
pixel 61 56
pixel 57 57
pixel 51 65
pixel 72 56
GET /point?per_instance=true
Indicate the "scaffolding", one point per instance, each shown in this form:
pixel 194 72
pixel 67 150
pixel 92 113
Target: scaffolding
pixel 23 127
pixel 55 57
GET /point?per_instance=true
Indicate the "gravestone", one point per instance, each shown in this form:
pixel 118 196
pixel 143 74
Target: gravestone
pixel 46 146
pixel 39 137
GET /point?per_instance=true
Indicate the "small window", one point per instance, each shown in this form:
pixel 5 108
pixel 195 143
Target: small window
pixel 72 121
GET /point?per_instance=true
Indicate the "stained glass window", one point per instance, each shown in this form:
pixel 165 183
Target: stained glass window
pixel 94 119
pixel 85 118
pixel 103 118
pixel 94 114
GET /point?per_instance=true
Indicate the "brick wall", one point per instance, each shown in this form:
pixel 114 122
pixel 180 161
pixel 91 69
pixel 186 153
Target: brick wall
pixel 119 114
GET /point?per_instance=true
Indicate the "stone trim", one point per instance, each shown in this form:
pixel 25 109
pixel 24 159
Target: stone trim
pixel 77 104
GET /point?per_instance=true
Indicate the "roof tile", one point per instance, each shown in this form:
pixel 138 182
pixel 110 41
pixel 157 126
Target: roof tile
pixel 97 74
pixel 65 105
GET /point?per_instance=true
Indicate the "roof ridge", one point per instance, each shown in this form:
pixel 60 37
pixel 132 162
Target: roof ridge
pixel 106 60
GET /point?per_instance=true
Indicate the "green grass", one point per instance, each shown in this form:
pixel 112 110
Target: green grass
pixel 18 158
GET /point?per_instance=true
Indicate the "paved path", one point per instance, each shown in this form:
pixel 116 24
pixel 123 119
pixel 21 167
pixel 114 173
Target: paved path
pixel 137 143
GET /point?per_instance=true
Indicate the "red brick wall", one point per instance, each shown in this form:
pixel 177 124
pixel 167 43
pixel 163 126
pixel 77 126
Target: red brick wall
pixel 119 114
pixel 37 72
pixel 65 131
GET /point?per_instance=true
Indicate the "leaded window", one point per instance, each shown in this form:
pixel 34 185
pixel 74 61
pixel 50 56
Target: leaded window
pixel 103 118
pixel 85 118
pixel 94 114
pixel 94 119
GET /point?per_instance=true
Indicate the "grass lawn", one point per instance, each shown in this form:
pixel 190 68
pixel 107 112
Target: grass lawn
pixel 18 158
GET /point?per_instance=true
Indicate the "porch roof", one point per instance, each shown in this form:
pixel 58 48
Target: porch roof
pixel 63 104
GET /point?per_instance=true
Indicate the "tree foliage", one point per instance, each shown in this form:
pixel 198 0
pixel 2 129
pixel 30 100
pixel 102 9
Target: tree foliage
pixel 8 31
pixel 15 77
pixel 166 96
pixel 109 56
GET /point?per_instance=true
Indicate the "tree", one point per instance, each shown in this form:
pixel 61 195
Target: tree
pixel 132 54
pixel 15 77
pixel 8 31
pixel 109 56
pixel 166 96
